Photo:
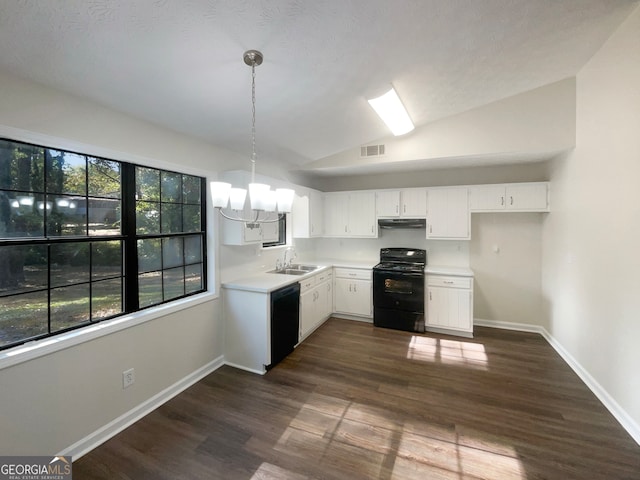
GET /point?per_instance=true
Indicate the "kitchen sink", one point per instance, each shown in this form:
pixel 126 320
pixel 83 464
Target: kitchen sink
pixel 296 269
pixel 290 271
pixel 308 268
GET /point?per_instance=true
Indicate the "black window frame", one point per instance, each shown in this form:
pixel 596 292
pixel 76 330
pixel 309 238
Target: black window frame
pixel 282 233
pixel 128 237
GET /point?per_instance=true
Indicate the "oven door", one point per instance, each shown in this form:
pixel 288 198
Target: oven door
pixel 398 290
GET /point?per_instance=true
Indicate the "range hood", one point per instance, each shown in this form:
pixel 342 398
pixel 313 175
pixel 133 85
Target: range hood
pixel 402 223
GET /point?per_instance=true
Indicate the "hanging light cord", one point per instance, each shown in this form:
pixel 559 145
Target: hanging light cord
pixel 253 121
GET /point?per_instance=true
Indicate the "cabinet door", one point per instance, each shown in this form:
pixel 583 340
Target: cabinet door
pixel 487 198
pixel 388 203
pixel 252 232
pixel 270 232
pixel 448 214
pixel 307 312
pixel 414 202
pixel 316 215
pixel 336 215
pixel 353 296
pixel 449 308
pixel 362 214
pixel 527 197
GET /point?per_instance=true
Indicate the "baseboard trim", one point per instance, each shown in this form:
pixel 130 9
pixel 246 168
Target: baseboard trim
pixel 111 429
pixel 246 369
pixel 607 400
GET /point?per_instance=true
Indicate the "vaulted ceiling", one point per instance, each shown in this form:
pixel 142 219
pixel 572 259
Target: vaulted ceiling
pixel 178 63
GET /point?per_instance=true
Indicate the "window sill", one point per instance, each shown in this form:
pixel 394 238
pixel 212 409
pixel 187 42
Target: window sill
pixel 46 346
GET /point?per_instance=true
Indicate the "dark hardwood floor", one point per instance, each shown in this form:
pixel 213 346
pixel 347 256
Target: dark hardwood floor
pixel 359 402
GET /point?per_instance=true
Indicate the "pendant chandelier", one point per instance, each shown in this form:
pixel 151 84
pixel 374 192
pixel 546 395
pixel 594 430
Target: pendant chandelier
pixel 261 197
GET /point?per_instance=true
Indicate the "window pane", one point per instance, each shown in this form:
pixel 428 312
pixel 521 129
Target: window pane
pixel 106 298
pixel 104 216
pixel 21 167
pixel 150 288
pixel 65 215
pixel 19 215
pixel 69 306
pixel 172 254
pixel 147 218
pixel 191 189
pixel 193 278
pixel 171 218
pixel 69 263
pixel 171 187
pixel 147 184
pixel 22 268
pixel 106 259
pixel 23 316
pixel 66 172
pixel 149 255
pixel 191 218
pixel 104 178
pixel 192 249
pixel 173 283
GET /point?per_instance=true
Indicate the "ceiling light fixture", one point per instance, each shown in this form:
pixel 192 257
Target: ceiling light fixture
pixel 390 109
pixel 261 197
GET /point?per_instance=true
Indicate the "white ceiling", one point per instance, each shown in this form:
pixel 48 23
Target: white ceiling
pixel 179 63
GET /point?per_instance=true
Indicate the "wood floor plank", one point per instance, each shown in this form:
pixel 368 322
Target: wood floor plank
pixel 358 402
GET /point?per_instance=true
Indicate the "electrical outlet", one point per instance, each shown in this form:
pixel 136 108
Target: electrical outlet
pixel 128 378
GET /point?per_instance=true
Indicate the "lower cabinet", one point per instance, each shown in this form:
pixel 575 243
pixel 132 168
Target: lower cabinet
pixel 316 302
pixel 353 292
pixel 449 304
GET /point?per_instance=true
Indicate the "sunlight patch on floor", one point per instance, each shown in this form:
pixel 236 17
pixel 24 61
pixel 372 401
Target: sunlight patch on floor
pixel 328 430
pixel 449 352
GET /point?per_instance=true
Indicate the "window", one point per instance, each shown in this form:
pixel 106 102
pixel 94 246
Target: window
pixel 84 239
pixel 276 232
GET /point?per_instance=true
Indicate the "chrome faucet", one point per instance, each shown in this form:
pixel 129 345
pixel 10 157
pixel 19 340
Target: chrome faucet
pixel 292 256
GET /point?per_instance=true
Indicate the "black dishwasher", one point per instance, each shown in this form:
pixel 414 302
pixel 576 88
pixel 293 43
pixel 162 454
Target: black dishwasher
pixel 285 311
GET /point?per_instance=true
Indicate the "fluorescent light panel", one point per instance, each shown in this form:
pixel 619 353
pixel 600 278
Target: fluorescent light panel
pixel 390 109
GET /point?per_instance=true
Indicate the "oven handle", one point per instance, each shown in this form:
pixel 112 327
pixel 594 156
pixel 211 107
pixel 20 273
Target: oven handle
pixel 400 274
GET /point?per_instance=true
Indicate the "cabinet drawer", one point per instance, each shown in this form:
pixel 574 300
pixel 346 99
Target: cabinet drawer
pixel 449 281
pixel 353 273
pixel 308 283
pixel 324 276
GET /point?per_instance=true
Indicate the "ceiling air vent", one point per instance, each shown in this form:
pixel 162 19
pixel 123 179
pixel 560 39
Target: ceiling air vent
pixel 372 151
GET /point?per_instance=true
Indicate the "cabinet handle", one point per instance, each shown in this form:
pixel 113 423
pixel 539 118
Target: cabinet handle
pixel 430 229
pixel 502 200
pixel 350 285
pixel 511 197
pixel 404 208
pixel 430 296
pixel 448 281
pixel 345 229
pixel 354 288
pixel 371 228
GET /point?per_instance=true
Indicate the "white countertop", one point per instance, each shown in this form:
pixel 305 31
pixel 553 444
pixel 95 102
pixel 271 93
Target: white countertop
pixel 265 282
pixel 447 270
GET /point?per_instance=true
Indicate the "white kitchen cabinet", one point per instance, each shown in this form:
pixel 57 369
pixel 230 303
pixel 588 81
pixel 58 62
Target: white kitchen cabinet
pixel 315 306
pixel 448 215
pixel 514 197
pixel 449 304
pixel 307 215
pixel 408 203
pixel 270 232
pixel 353 292
pixel 350 214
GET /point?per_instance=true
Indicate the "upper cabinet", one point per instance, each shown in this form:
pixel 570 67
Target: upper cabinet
pixel 514 197
pixel 448 215
pixel 408 203
pixel 307 215
pixel 350 214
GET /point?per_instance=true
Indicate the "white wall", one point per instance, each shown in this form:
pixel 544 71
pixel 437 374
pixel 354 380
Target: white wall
pixel 507 282
pixel 591 263
pixel 49 403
